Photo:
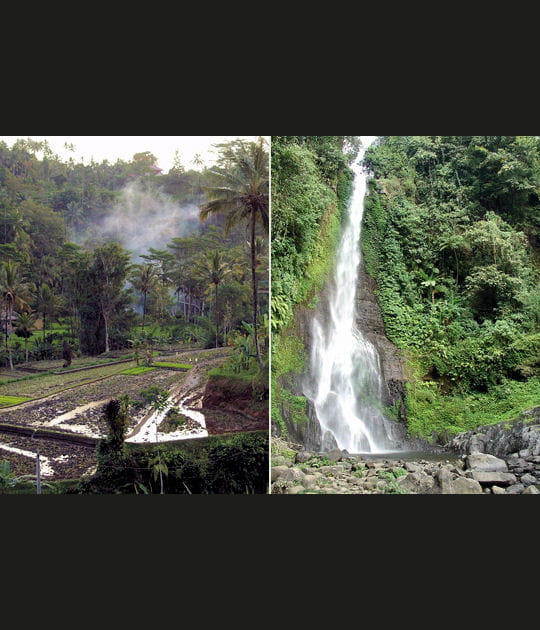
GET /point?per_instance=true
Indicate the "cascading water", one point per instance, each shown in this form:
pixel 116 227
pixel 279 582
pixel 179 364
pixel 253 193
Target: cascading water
pixel 346 384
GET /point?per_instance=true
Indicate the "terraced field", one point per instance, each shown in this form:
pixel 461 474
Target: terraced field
pixel 59 411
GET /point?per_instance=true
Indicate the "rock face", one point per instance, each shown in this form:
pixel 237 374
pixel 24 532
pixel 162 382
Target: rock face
pixel 504 456
pixel 371 323
pixel 519 436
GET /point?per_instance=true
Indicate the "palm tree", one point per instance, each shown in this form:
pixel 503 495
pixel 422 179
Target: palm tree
pixel 25 328
pixel 214 268
pixel 197 161
pixel 144 279
pixel 243 195
pixel 48 304
pixel 15 294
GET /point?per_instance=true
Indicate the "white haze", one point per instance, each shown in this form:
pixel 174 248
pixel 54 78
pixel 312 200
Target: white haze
pixel 144 217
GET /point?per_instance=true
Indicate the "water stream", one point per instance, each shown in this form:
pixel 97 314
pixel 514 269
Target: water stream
pixel 346 386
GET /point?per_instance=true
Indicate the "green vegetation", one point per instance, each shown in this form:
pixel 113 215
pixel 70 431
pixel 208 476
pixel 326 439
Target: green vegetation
pixel 452 238
pixel 138 370
pixel 174 366
pixel 311 184
pixel 232 464
pixel 44 384
pixel 66 260
pixel 8 401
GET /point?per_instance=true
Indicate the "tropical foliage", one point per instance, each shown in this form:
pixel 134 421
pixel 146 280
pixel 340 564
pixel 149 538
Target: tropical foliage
pixel 452 237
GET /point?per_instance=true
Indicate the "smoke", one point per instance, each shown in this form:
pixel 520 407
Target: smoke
pixel 144 217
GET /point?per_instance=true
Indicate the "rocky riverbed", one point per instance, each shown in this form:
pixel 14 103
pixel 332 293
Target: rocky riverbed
pixel 295 471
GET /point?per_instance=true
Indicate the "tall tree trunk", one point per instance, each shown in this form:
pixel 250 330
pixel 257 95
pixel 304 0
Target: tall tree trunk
pixel 107 348
pixel 143 311
pixel 255 289
pixel 104 314
pixel 8 347
pixel 216 315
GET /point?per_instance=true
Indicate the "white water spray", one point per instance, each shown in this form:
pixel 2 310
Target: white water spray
pixel 345 366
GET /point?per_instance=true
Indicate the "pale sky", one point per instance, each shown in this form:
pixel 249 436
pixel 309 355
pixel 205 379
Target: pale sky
pixel 112 148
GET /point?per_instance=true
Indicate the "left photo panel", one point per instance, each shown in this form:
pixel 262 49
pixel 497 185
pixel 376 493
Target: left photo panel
pixel 134 305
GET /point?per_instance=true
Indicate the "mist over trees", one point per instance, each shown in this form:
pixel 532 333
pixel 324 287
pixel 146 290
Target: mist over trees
pixel 104 254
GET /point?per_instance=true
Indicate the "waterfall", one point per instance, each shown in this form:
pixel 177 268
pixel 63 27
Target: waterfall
pixel 346 385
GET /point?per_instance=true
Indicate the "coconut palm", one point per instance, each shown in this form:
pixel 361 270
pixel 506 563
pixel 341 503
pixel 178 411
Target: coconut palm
pixel 198 162
pixel 15 294
pixel 144 280
pixel 25 328
pixel 214 268
pixel 242 195
pixel 48 305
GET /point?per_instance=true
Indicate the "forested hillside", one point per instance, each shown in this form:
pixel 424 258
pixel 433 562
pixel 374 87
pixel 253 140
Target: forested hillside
pixel 311 183
pixel 103 255
pixel 452 238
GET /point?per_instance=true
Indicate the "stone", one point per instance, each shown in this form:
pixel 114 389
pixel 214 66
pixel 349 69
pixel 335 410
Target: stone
pixel 303 456
pixel 369 484
pixel 481 462
pixel 520 436
pixel 335 455
pixel 412 467
pixel 515 489
pixel 528 479
pixel 478 443
pixel 329 443
pixel 497 490
pixel 444 478
pixel 460 485
pixel 417 483
pixel 493 478
pixel 338 469
pixel 280 460
pixel 531 490
pixel 296 490
pixel 277 472
pixel 289 474
pixel 311 481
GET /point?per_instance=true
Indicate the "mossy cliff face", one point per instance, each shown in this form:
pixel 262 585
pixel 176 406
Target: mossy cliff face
pixel 370 322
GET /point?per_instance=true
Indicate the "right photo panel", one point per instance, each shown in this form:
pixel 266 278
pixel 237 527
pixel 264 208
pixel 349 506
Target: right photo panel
pixel 405 315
